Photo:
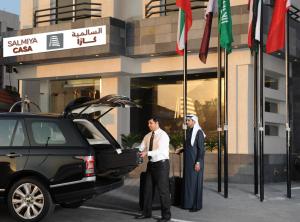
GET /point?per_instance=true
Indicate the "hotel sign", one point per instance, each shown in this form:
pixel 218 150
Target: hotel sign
pixel 54 41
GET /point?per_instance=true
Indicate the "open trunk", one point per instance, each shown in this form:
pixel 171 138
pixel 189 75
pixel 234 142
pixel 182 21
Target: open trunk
pixel 111 160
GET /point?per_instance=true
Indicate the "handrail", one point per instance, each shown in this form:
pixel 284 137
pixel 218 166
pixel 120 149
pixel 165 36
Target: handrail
pixel 88 7
pixel 168 6
pixel 295 13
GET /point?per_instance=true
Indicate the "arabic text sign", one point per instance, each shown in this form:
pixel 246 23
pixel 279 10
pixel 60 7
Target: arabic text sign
pixel 53 41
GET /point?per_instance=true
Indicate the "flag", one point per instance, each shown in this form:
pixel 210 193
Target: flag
pixel 254 7
pixel 184 24
pixel 210 10
pixel 276 35
pixel 225 25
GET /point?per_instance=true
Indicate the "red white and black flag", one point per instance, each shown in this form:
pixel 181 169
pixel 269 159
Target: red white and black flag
pixel 184 24
pixel 211 9
pixel 254 24
pixel 276 35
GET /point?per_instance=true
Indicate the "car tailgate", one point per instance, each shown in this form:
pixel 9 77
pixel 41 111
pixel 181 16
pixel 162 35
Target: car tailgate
pixel 115 162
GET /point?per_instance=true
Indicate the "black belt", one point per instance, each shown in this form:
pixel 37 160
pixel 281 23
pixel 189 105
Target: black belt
pixel 160 161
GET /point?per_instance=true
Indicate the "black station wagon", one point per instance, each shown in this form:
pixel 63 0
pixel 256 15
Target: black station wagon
pixel 65 159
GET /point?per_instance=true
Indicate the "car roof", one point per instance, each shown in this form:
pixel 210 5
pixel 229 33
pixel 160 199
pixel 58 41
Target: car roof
pixel 31 115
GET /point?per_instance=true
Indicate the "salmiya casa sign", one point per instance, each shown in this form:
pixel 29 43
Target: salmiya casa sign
pixel 54 41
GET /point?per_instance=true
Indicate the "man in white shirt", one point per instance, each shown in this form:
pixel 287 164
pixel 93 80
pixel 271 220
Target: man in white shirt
pixel 155 145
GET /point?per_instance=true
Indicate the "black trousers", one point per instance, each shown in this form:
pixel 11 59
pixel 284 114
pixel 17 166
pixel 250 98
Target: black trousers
pixel 157 174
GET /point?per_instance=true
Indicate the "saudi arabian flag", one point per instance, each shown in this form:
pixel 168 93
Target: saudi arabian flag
pixel 225 25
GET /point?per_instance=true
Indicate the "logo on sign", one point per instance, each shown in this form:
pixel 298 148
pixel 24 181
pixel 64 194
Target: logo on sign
pixel 55 41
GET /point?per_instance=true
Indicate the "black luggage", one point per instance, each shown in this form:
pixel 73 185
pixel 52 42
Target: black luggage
pixel 176 182
pixel 109 159
pixel 155 201
pixel 176 190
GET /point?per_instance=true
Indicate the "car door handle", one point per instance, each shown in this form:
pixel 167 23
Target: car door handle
pixel 13 155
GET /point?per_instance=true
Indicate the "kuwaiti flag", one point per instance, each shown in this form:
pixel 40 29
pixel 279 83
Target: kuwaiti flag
pixel 276 35
pixel 184 24
pixel 254 24
pixel 212 8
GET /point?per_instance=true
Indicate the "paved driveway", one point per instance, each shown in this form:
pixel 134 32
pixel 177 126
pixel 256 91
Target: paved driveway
pixel 241 206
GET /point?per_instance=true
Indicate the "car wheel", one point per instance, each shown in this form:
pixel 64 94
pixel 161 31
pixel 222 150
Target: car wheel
pixel 29 200
pixel 72 205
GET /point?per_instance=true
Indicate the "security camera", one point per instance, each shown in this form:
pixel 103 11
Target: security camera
pixel 15 70
pixel 11 69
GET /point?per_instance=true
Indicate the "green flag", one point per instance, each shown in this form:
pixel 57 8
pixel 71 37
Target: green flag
pixel 225 25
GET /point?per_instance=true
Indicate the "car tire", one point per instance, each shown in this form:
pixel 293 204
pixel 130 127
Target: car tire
pixel 29 200
pixel 72 205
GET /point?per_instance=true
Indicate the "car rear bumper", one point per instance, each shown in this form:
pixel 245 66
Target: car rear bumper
pixel 85 191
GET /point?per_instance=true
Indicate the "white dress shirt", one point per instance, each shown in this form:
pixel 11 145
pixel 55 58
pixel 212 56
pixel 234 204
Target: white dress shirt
pixel 160 149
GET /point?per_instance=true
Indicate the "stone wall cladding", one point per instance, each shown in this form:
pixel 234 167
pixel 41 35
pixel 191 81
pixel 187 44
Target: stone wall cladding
pixel 158 35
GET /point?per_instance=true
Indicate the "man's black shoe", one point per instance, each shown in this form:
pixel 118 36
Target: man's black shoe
pixel 142 217
pixel 163 220
pixel 194 210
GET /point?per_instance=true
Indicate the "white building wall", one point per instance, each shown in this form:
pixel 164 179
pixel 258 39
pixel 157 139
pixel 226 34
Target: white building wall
pixel 276 67
pixel 240 115
pixel 26 14
pixel 44 95
pixel 8 19
pixel 109 85
pixel 123 113
pixel 11 21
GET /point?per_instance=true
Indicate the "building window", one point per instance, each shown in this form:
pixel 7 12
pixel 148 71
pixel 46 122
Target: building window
pixel 162 96
pixel 271 82
pixel 64 91
pixel 271 107
pixel 271 130
pixel 8 29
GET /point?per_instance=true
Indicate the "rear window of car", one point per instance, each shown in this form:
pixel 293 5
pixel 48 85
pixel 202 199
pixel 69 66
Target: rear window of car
pixel 12 133
pixel 47 133
pixel 90 132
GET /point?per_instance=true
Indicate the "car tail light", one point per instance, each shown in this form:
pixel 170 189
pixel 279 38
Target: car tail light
pixel 89 165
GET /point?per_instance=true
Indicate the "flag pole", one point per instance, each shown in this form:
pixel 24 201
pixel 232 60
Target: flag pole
pixel 226 124
pixel 184 95
pixel 219 116
pixel 287 86
pixel 261 108
pixel 185 89
pixel 255 153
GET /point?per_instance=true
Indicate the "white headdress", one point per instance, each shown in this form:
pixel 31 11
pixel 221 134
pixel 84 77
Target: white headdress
pixel 195 128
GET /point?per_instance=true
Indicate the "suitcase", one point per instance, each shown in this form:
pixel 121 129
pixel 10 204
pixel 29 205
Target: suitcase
pixel 155 196
pixel 176 190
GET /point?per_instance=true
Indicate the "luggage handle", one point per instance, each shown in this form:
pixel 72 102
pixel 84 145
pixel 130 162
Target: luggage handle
pixel 180 165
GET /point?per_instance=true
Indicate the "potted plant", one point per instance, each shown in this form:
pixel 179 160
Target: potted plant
pixel 129 141
pixel 176 140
